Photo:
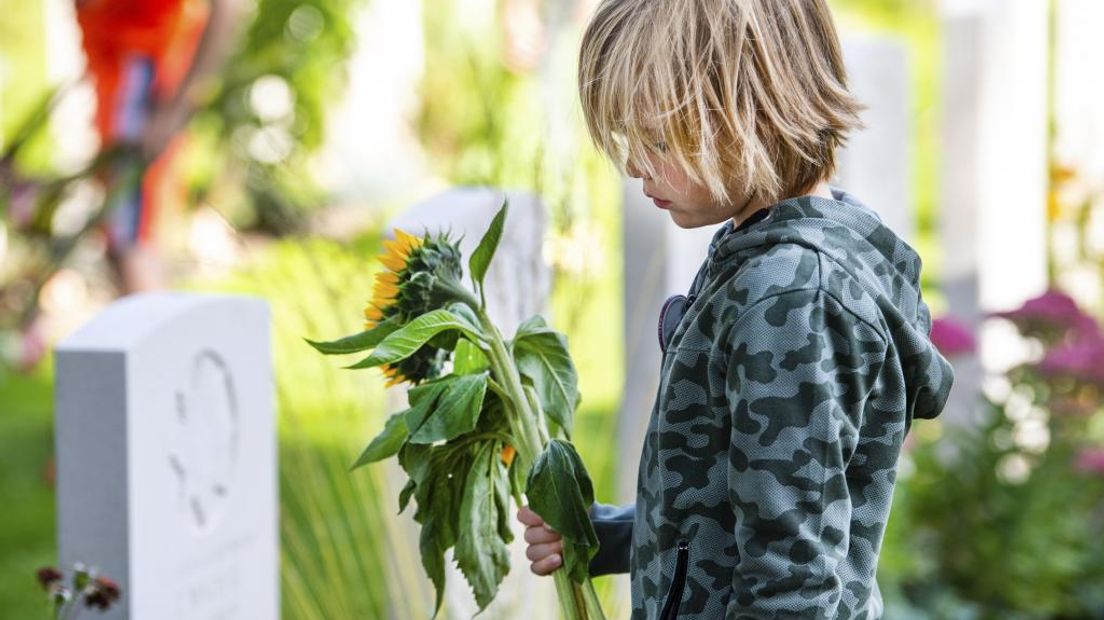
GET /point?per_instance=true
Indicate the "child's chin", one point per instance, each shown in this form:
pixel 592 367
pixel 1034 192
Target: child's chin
pixel 682 221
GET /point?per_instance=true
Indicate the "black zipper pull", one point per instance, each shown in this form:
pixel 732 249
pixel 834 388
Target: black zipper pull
pixel 678 582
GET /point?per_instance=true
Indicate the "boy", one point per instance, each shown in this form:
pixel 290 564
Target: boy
pixel 794 368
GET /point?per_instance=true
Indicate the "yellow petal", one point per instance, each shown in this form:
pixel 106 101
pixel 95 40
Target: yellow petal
pixel 394 381
pixel 385 291
pixel 389 277
pixel 369 325
pixel 408 239
pixel 372 313
pixel 392 262
pixel 396 248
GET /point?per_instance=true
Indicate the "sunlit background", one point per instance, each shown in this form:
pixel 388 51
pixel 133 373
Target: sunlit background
pixel 332 117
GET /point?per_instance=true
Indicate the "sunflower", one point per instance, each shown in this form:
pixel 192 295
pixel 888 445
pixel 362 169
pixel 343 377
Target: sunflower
pixel 386 291
pixel 420 275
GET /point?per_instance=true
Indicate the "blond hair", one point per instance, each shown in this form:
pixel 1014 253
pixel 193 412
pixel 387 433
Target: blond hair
pixel 747 95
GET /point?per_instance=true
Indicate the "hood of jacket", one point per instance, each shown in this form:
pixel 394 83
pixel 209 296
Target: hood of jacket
pixel 885 266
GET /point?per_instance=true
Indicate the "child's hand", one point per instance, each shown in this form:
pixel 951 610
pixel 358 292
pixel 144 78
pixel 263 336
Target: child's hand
pixel 545 544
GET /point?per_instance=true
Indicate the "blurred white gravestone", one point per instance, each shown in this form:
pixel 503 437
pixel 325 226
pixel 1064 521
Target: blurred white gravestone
pixel 518 285
pixel 166 456
pixel 993 196
pixel 874 164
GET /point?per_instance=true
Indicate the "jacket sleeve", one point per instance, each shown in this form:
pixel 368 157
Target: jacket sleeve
pixel 799 367
pixel 613 525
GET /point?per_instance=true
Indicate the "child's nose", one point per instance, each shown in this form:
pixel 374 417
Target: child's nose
pixel 633 171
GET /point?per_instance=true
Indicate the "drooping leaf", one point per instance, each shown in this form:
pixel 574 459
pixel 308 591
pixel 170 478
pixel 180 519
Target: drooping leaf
pixel 439 473
pixel 423 399
pixel 387 443
pixel 481 552
pixel 405 494
pixel 560 491
pixel 484 252
pixel 532 326
pixel 542 356
pixel 436 512
pixel 403 342
pixel 357 342
pixel 455 412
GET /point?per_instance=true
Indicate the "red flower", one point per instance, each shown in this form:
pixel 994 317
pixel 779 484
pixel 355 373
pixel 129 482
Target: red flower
pixel 48 576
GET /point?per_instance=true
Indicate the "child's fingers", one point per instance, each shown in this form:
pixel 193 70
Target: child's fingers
pixel 536 553
pixel 528 517
pixel 547 565
pixel 540 534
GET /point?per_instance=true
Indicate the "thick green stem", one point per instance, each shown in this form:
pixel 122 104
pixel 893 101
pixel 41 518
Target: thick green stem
pixel 577 601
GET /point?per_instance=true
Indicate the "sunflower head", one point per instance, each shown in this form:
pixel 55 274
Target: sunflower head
pixel 420 275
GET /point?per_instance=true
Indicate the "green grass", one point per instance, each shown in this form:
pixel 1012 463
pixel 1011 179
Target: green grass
pixel 26 495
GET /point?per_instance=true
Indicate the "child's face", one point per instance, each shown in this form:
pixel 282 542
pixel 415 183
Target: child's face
pixel 689 203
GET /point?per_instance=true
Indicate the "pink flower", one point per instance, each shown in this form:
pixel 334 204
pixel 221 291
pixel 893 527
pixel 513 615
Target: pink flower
pixel 1090 461
pixel 1051 317
pixel 1081 360
pixel 952 337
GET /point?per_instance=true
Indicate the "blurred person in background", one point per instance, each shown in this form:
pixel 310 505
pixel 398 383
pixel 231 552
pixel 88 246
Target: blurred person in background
pixel 152 64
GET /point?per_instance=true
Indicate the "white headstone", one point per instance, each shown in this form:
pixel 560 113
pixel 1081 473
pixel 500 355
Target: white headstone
pixel 994 178
pixel 166 456
pixel 874 165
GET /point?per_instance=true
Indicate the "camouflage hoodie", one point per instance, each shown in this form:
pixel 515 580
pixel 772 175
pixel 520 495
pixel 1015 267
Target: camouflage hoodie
pixel 790 376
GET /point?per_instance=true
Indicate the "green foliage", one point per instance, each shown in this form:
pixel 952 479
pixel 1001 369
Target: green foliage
pixel 481 257
pixel 1006 520
pixel 542 357
pixel 387 443
pixel 358 342
pixel 403 342
pixel 456 411
pixel 443 479
pixel 481 551
pixel 477 118
pixel 299 46
pixel 560 491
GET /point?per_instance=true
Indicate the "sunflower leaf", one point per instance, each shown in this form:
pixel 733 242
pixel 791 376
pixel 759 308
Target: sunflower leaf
pixel 405 341
pixel 440 475
pixel 387 443
pixel 484 252
pixel 481 552
pixel 357 342
pixel 560 491
pixel 423 399
pixel 542 356
pixel 455 412
pixel 468 358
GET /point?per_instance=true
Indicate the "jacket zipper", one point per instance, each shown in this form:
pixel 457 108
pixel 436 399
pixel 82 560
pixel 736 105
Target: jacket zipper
pixel 678 583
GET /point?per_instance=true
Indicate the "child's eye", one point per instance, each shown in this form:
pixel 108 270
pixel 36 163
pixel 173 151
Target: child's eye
pixel 660 146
